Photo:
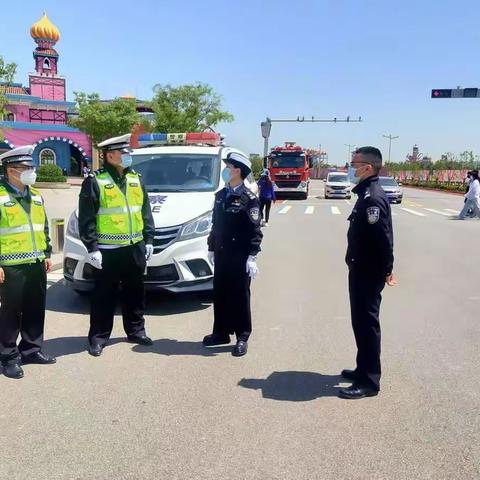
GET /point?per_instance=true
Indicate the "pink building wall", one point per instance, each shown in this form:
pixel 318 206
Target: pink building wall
pixel 21 112
pixel 48 88
pixel 20 137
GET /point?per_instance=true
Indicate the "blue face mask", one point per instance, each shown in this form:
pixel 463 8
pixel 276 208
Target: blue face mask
pixel 226 175
pixel 352 174
pixel 126 160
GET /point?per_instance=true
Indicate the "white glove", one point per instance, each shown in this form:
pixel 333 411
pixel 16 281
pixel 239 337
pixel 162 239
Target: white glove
pixel 252 268
pixel 95 259
pixel 148 251
pixel 211 257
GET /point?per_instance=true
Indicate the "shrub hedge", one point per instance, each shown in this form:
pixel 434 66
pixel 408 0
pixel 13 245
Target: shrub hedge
pixel 50 173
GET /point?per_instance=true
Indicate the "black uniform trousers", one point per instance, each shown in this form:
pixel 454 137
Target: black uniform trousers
pixel 365 297
pixel 22 310
pixel 265 206
pixel 231 295
pixel 122 272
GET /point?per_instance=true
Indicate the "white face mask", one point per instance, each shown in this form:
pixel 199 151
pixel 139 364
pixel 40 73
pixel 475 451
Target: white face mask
pixel 28 177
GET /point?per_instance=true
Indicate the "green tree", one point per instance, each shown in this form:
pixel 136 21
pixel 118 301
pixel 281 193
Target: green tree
pixel 7 72
pixel 102 120
pixel 257 166
pixel 187 108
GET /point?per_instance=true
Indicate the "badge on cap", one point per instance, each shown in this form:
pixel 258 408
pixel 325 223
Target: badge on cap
pixel 373 214
pixel 255 214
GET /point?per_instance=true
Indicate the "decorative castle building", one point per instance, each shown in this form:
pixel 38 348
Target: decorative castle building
pixel 38 114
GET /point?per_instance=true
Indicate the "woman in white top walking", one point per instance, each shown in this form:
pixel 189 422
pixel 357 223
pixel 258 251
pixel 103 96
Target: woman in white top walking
pixel 472 196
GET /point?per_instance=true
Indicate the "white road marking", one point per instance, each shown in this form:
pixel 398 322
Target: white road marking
pixel 394 213
pixel 335 210
pixel 456 212
pixel 438 212
pixel 284 210
pixel 284 202
pixel 413 212
pixel 309 210
pixel 348 202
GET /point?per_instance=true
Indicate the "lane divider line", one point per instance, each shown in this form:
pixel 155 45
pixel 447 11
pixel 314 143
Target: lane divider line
pixel 413 212
pixel 438 212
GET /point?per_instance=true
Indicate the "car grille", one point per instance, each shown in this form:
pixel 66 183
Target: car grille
pixel 163 274
pixel 288 177
pixel 337 188
pixel 164 237
pixel 287 184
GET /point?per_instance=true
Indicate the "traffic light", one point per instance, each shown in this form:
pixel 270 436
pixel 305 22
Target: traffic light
pixel 442 93
pixel 470 92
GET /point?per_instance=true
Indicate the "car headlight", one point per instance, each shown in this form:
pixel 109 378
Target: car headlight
pixel 72 227
pixel 302 185
pixel 198 227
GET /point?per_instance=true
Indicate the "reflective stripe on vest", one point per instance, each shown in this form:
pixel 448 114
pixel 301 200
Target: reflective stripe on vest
pixel 22 235
pixel 119 217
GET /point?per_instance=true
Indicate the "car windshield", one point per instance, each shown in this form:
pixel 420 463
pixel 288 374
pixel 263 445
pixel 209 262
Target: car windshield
pixel 388 182
pixel 338 178
pixel 178 172
pixel 288 162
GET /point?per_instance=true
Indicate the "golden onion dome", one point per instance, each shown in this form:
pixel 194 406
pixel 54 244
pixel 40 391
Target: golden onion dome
pixel 45 29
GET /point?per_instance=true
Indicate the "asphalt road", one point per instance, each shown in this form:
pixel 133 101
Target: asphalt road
pixel 178 411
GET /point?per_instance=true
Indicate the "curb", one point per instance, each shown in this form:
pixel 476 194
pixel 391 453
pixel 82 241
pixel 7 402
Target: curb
pixel 433 190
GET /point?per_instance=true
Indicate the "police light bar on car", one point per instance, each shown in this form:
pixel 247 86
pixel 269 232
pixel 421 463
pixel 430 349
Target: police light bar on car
pixel 190 138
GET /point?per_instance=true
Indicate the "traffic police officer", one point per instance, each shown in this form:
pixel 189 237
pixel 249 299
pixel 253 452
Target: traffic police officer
pixel 24 262
pixel 233 245
pixel 117 228
pixel 370 261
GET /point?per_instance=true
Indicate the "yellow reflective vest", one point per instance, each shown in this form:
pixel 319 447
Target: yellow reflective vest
pixel 119 217
pixel 22 234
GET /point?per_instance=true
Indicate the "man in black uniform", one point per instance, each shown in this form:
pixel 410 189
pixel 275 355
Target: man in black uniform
pixel 370 262
pixel 25 251
pixel 233 245
pixel 117 228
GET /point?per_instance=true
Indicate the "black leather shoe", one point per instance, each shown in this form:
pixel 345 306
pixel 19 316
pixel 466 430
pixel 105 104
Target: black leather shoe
pixel 38 358
pixel 95 350
pixel 216 339
pixel 13 370
pixel 357 391
pixel 350 374
pixel 140 339
pixel 240 349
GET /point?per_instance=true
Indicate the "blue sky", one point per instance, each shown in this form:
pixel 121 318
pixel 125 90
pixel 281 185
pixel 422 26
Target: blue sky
pixel 281 58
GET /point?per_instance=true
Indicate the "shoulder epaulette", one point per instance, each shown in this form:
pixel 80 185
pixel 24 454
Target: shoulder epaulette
pixel 250 194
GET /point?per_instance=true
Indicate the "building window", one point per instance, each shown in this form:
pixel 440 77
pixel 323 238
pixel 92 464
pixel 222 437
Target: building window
pixel 9 117
pixel 46 64
pixel 47 157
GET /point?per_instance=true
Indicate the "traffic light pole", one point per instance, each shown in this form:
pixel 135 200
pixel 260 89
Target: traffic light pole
pixel 267 126
pixel 390 138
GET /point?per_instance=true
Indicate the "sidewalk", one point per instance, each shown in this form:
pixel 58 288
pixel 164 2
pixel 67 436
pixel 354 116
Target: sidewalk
pixel 57 259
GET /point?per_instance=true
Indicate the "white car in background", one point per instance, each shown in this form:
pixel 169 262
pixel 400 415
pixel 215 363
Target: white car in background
pixel 181 181
pixel 337 185
pixel 392 188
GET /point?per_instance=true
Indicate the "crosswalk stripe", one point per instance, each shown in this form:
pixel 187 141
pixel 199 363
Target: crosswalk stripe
pixel 309 210
pixel 456 212
pixel 438 212
pixel 413 212
pixel 335 210
pixel 284 210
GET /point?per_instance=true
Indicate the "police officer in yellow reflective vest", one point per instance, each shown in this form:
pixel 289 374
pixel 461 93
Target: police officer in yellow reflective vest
pixel 117 228
pixel 24 262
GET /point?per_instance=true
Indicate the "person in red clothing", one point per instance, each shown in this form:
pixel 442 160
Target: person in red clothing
pixel 266 194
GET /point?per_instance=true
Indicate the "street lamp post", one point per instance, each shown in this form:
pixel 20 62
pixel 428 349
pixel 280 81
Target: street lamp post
pixel 390 138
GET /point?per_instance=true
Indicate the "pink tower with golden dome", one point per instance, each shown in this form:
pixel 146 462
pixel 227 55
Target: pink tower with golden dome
pixel 46 83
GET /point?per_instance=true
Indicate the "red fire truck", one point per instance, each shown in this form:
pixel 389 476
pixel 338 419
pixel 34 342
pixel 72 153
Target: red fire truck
pixel 290 169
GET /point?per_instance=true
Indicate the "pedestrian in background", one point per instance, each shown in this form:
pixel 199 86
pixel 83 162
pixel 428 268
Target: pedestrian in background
pixel 266 194
pixel 370 262
pixel 233 245
pixel 472 197
pixel 25 251
pixel 117 228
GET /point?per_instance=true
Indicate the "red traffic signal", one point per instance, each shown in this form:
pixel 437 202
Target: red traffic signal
pixel 442 93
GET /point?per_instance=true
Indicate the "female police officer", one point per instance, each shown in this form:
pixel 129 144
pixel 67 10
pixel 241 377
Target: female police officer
pixel 233 245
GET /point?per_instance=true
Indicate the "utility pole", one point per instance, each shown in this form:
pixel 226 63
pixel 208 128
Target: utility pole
pixel 350 146
pixel 390 138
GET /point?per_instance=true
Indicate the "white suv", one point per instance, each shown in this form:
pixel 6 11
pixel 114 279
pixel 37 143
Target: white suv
pixel 338 185
pixel 181 182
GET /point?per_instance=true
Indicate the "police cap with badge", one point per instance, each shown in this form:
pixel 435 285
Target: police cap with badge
pixel 117 143
pixel 239 161
pixel 19 155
